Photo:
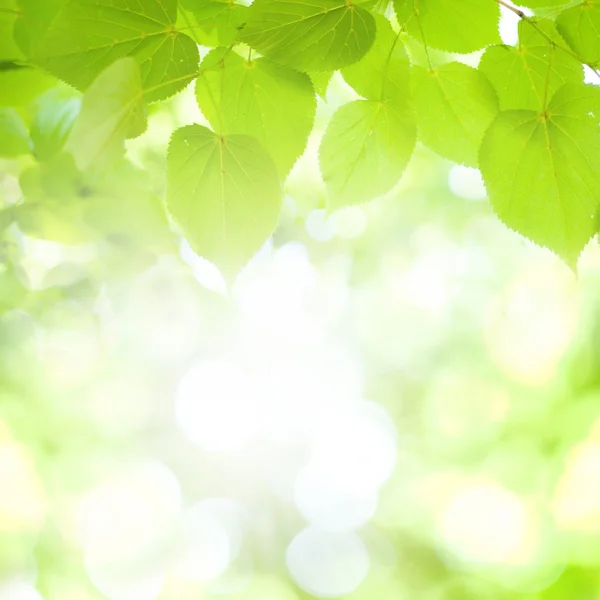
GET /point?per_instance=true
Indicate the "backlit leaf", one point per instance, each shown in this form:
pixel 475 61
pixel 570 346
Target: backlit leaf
pixel 112 110
pixel 580 26
pixel 270 102
pixel 383 73
pixel 224 193
pixel 365 150
pixel 454 25
pixel 526 75
pixel 87 36
pixel 455 105
pixel 307 35
pixel 541 170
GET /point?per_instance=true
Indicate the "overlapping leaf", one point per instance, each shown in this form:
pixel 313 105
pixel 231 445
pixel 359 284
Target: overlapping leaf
pixel 455 105
pixel 87 36
pixel 309 35
pixel 454 25
pixel 224 192
pixel 212 22
pixel 383 73
pixel 365 150
pixel 527 75
pixel 270 102
pixel 112 110
pixel 541 170
pixel 580 26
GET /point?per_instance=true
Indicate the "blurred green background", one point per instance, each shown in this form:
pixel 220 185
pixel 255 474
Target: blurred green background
pixel 394 401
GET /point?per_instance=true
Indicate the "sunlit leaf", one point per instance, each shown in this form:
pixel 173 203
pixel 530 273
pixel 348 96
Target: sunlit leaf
pixel 527 75
pixel 112 110
pixel 580 26
pixel 455 25
pixel 87 36
pixel 365 150
pixel 455 104
pixel 383 73
pixel 541 170
pixel 272 103
pixel 310 36
pixel 224 193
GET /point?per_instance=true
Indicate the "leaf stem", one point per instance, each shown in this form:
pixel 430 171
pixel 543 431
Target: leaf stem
pixel 534 24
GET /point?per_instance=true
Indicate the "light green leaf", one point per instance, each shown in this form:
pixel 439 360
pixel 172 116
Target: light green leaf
pixel 87 36
pixel 33 22
pixel 542 3
pixel 112 110
pixel 21 85
pixel 454 25
pixel 365 150
pixel 383 73
pixel 272 103
pixel 309 36
pixel 541 170
pixel 455 105
pixel 56 112
pixel 9 11
pixel 320 81
pixel 526 75
pixel 224 193
pixel 212 22
pixel 14 136
pixel 580 26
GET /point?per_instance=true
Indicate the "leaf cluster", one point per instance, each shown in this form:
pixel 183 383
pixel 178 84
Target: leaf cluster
pixel 79 77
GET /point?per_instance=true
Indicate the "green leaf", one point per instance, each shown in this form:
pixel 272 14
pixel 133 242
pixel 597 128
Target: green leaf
pixel 212 22
pixel 33 22
pixel 21 85
pixel 14 136
pixel 224 193
pixel 542 3
pixel 580 26
pixel 260 98
pixel 56 112
pixel 365 150
pixel 320 81
pixel 87 36
pixel 112 110
pixel 541 170
pixel 455 104
pixel 526 75
pixel 454 25
pixel 309 36
pixel 9 11
pixel 383 73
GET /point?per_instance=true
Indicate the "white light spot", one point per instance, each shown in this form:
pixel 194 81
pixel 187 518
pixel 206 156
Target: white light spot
pixel 120 583
pixel 216 406
pixel 466 182
pixel 485 523
pixel 331 506
pixel 327 565
pixel 206 550
pixel 349 222
pixel 320 226
pixel 128 515
pixel 357 449
pixel 18 590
